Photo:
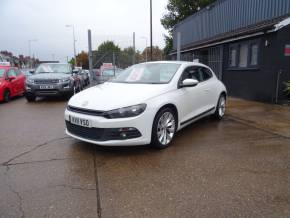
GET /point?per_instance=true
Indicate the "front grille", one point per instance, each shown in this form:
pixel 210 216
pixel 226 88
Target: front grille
pixel 86 111
pixel 47 92
pixel 101 134
pixel 46 81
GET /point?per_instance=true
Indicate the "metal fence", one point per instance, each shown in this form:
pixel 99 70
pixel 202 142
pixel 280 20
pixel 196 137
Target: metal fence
pixel 120 60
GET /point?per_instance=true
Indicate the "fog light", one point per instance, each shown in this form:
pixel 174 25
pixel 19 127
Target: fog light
pixel 123 135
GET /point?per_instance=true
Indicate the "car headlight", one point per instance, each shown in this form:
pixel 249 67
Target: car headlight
pixel 29 81
pixel 64 80
pixel 131 111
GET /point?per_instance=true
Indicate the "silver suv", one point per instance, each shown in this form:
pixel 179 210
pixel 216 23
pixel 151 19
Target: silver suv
pixel 52 79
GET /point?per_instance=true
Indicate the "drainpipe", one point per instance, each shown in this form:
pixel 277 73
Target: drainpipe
pixel 178 45
pixel 277 86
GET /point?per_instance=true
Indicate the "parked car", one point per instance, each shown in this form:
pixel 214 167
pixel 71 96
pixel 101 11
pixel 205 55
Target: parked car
pixel 53 79
pixel 110 73
pixel 85 77
pixel 27 72
pixel 146 103
pixel 12 83
pixel 79 76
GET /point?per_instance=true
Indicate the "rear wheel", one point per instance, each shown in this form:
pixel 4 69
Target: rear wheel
pixel 221 107
pixel 6 96
pixel 164 127
pixel 30 97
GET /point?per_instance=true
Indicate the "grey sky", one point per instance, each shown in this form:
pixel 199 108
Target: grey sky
pixel 45 21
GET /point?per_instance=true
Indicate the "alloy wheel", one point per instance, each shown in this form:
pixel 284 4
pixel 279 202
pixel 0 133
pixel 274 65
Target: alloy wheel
pixel 222 106
pixel 166 128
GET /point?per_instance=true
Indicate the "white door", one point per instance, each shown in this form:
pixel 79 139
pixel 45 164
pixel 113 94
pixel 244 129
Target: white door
pixel 190 99
pixel 208 84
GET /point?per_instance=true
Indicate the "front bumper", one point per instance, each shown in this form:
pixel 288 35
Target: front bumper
pixel 1 94
pixel 141 123
pixel 56 90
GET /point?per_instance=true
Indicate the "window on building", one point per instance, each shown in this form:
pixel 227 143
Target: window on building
pixel 233 57
pixel 243 56
pixel 254 55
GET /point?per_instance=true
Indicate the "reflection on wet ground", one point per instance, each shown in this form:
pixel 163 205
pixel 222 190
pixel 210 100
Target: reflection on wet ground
pixel 236 167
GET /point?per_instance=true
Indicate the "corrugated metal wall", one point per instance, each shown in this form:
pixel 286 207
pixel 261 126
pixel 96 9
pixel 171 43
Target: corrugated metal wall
pixel 227 15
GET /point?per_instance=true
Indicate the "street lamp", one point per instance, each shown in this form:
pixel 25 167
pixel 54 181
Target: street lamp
pixel 151 40
pixel 29 49
pixel 143 37
pixel 74 41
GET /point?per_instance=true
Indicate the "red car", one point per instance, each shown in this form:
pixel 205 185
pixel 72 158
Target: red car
pixel 12 83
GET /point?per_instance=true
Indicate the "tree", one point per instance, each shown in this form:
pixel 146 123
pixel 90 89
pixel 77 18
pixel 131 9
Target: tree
pixel 83 60
pixel 72 62
pixel 108 46
pixel 125 58
pixel 178 10
pixel 157 54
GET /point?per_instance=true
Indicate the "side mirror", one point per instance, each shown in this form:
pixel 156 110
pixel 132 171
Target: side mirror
pixel 31 71
pixel 189 83
pixel 11 78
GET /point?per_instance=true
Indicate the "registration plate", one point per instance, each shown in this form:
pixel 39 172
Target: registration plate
pixel 80 121
pixel 46 87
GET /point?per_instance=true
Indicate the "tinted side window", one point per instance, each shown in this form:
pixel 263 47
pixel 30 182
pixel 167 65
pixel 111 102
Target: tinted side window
pixel 17 72
pixel 11 72
pixel 206 73
pixel 191 73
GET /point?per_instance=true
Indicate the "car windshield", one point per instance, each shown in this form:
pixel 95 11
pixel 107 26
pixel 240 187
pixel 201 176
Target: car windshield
pixel 53 68
pixel 148 73
pixel 2 72
pixel 109 72
pixel 27 72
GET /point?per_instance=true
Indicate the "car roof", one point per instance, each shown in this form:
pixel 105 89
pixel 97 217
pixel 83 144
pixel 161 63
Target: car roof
pixel 56 63
pixel 5 67
pixel 179 62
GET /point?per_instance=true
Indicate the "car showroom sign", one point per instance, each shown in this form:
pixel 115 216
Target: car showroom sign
pixel 287 50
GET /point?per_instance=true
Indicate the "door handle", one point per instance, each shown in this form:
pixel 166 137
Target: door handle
pixel 206 90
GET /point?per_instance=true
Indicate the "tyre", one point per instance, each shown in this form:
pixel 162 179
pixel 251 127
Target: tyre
pixel 220 108
pixel 164 128
pixel 6 96
pixel 30 97
pixel 72 92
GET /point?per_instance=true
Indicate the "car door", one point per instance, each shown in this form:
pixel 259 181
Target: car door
pixel 190 98
pixel 207 84
pixel 20 81
pixel 13 83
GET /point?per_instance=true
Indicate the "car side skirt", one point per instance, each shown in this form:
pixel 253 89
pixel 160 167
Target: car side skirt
pixel 197 117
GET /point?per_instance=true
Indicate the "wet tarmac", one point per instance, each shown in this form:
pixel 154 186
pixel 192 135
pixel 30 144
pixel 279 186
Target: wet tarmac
pixel 238 167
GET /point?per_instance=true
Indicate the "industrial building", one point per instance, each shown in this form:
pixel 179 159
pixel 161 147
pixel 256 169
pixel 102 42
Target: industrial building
pixel 246 43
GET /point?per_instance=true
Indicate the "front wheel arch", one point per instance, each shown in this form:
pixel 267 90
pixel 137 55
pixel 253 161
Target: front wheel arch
pixel 171 106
